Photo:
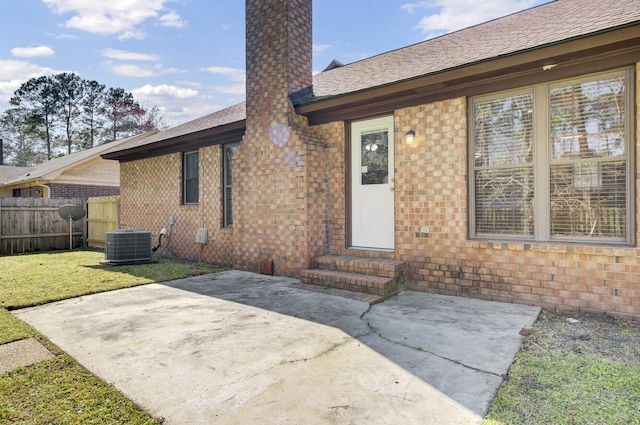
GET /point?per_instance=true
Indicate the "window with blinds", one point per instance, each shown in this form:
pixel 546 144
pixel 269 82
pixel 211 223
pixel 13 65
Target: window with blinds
pixel 553 162
pixel 503 165
pixel 588 158
pixel 190 171
pixel 227 183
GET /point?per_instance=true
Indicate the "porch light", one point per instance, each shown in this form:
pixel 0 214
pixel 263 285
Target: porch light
pixel 409 137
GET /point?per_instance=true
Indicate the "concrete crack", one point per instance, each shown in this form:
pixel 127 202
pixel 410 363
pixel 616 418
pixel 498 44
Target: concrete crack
pixel 422 350
pixel 328 350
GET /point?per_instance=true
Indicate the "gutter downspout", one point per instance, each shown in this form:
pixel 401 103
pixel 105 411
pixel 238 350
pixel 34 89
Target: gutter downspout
pixel 46 190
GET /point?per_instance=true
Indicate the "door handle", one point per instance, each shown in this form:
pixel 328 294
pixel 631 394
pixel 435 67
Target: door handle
pixel 392 189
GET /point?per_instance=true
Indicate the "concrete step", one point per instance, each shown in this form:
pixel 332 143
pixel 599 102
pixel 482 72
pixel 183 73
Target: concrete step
pixel 349 281
pixel 378 276
pixel 380 267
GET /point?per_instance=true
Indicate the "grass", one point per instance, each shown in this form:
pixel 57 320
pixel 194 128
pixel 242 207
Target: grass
pixel 568 372
pixel 44 277
pixel 60 391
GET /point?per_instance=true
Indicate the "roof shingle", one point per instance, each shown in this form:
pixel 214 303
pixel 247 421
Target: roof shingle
pixel 560 20
pixel 554 22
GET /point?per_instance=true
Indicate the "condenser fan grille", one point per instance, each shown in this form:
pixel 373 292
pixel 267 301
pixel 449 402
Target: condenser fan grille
pixel 128 246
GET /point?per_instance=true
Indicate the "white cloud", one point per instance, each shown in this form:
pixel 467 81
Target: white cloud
pixel 319 49
pixel 111 17
pixel 124 55
pixel 164 90
pixel 160 69
pixel 453 15
pixel 136 34
pixel 21 70
pixel 31 52
pixel 235 74
pixel 13 73
pixel 236 89
pixel 172 19
pixel 129 70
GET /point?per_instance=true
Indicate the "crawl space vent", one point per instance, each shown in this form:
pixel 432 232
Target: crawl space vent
pixel 127 247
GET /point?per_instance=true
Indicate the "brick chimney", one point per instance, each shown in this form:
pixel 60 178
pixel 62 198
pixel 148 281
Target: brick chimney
pixel 279 55
pixel 279 171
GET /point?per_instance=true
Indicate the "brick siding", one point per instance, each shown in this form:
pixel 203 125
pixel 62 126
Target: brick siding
pixel 60 190
pixel 289 195
pixel 431 190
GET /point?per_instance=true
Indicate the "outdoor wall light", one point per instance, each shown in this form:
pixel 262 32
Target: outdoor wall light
pixel 410 137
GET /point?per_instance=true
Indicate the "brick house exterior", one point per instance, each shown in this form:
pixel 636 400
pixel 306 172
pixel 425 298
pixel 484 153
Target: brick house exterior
pixel 293 203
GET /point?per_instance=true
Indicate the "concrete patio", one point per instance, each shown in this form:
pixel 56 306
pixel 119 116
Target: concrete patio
pixel 243 348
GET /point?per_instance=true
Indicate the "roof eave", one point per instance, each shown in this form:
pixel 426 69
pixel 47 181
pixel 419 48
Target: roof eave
pixel 613 48
pixel 225 133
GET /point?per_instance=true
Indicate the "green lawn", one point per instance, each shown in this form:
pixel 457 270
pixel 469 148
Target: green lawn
pixel 60 391
pixel 567 373
pixel 33 279
pixel 573 373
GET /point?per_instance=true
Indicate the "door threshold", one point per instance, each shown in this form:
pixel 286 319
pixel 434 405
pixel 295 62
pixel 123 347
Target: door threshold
pixel 361 248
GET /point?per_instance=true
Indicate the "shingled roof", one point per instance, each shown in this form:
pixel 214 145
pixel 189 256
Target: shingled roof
pixel 550 23
pixel 545 25
pixel 8 172
pixel 221 118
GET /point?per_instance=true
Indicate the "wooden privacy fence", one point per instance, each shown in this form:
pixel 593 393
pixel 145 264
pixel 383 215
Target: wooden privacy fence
pixel 102 217
pixel 33 224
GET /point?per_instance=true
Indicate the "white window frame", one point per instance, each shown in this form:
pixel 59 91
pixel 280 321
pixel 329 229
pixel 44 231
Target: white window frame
pixel 542 161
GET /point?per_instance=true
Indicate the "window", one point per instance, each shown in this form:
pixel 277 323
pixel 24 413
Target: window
pixel 227 182
pixel 554 161
pixel 190 178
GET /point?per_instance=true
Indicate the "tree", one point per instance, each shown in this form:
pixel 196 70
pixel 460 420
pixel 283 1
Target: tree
pixel 16 129
pixel 151 119
pixel 71 92
pixel 93 112
pixel 79 114
pixel 41 97
pixel 124 114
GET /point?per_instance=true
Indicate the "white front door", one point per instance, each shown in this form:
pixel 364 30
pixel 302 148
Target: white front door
pixel 372 200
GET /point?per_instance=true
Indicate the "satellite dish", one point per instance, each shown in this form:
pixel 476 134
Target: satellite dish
pixel 70 212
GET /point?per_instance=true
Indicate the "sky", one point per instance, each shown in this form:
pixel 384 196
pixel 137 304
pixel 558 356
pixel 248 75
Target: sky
pixel 187 57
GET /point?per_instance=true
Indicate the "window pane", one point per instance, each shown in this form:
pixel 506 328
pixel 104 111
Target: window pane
pixel 229 152
pixel 503 131
pixel 587 119
pixel 191 178
pixel 228 221
pixel 589 200
pixel 504 201
pixel 375 157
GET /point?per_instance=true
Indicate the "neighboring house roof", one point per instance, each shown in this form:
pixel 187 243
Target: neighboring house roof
pixel 51 169
pixel 8 172
pixel 549 24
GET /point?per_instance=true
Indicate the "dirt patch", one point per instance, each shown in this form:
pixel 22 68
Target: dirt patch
pixel 565 332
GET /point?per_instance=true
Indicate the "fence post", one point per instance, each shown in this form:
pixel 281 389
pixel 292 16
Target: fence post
pixel 85 229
